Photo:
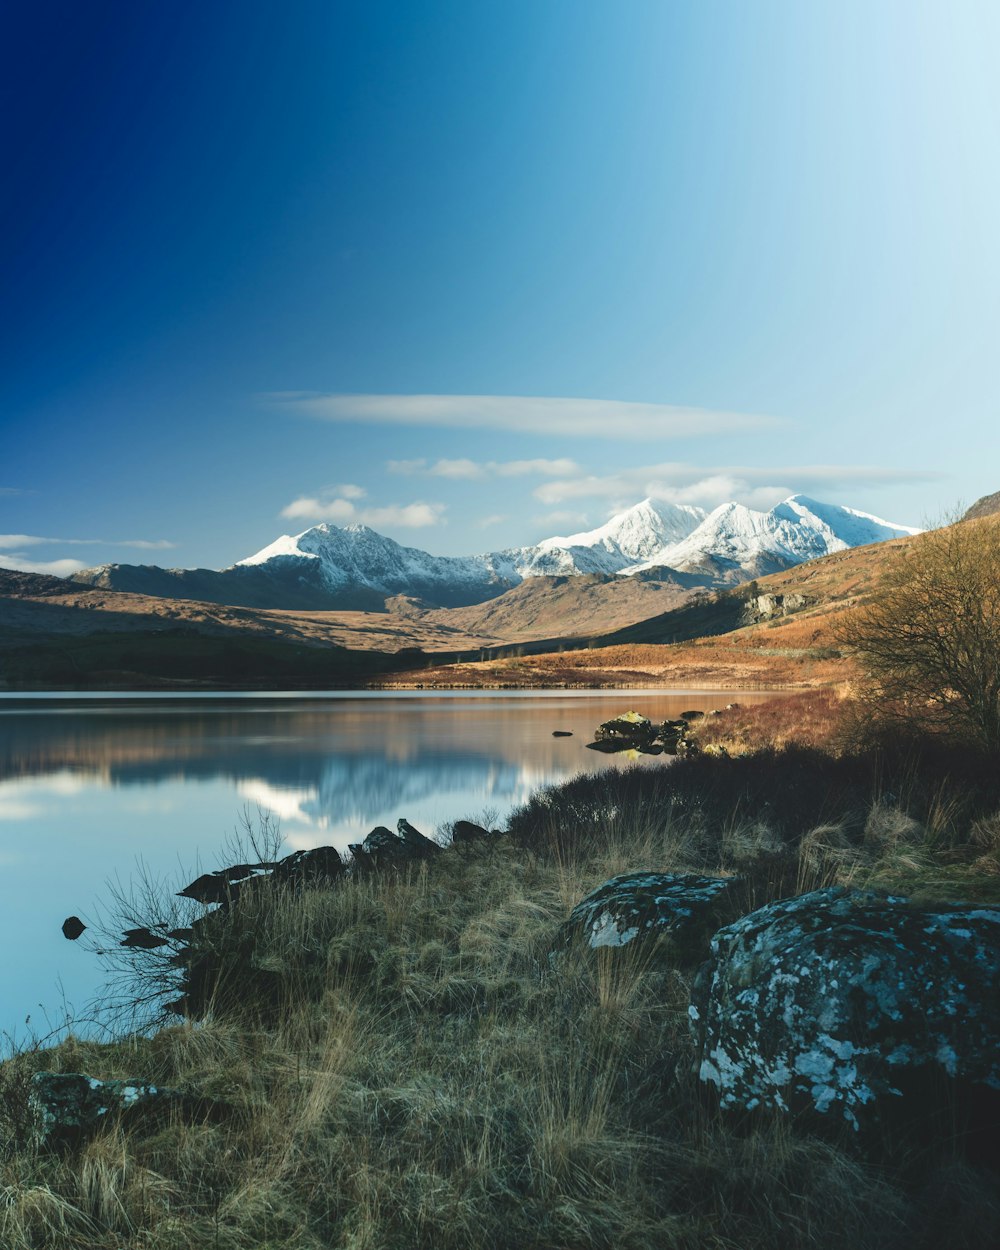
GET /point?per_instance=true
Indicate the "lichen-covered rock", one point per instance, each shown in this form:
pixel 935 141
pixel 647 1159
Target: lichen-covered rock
pixel 687 907
pixel 839 999
pixel 69 1106
pixel 630 729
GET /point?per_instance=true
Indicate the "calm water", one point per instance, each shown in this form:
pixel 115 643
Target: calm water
pixel 91 786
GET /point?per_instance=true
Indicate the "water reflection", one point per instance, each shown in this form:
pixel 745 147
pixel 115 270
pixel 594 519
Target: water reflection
pixel 87 787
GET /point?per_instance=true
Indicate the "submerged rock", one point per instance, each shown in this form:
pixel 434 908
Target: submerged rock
pixel 839 1000
pixel 637 905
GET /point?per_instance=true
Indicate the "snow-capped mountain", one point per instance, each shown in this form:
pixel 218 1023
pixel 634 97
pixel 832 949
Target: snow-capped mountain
pixel 735 542
pixel 356 567
pixel 629 537
pixel 358 556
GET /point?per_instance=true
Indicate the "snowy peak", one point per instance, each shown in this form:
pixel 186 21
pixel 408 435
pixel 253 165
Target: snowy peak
pixel 735 542
pixel 636 533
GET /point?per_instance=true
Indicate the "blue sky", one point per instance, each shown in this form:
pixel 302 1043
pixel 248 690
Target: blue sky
pixel 480 273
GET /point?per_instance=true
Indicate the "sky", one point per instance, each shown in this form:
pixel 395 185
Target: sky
pixel 476 273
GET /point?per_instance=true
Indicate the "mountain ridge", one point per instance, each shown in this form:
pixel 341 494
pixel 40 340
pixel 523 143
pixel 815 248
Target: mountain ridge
pixel 327 567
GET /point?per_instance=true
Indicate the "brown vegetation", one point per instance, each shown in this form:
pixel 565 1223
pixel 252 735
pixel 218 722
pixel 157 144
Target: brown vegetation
pixel 929 641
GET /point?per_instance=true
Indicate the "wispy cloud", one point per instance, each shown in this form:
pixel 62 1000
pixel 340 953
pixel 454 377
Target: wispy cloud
pixel 471 470
pixel 55 568
pixel 8 491
pixel 495 518
pixel 758 487
pixel 341 511
pixel 8 541
pixel 524 414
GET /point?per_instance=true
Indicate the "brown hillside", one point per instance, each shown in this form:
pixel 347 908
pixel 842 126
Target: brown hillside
pixel 549 607
pixel 797 650
pixel 989 505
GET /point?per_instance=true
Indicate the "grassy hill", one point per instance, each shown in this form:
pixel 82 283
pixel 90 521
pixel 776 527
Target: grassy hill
pixel 725 639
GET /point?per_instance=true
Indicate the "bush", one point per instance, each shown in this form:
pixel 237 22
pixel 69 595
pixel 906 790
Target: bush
pixel 929 642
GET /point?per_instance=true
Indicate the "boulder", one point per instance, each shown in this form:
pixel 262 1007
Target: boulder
pixel 381 848
pixel 69 1106
pixel 320 865
pixel 466 831
pixel 839 1001
pixel 629 730
pixel 416 842
pixel 640 905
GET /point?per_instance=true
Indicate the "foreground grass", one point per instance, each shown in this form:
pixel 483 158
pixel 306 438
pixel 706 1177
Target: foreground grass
pixel 432 1079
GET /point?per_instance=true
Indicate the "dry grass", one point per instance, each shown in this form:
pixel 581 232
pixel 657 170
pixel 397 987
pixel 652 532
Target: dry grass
pixel 427 1079
pixel 816 719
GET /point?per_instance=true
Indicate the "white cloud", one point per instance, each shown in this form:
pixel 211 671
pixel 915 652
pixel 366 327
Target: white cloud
pixel 544 468
pixel 524 414
pixel 752 485
pixel 55 568
pixel 472 469
pixel 306 508
pixel 494 518
pixel 457 469
pixel 349 491
pixel 33 540
pixel 416 515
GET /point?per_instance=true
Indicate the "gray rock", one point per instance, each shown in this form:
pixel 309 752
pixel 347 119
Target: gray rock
pixel 69 1106
pixel 629 730
pixel 382 848
pixel 839 1000
pixel 318 865
pixel 418 843
pixel 649 904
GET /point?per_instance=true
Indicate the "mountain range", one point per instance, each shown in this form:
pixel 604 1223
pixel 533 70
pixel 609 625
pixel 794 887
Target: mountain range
pixel 354 567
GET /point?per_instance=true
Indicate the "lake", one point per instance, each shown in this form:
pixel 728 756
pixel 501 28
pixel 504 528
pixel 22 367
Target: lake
pixel 91 786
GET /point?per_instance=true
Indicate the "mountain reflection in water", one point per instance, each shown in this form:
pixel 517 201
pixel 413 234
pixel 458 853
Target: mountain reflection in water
pixel 88 787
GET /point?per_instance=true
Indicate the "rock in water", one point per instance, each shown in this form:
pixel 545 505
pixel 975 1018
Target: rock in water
pixel 629 730
pixel 840 999
pixel 72 927
pixel 648 904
